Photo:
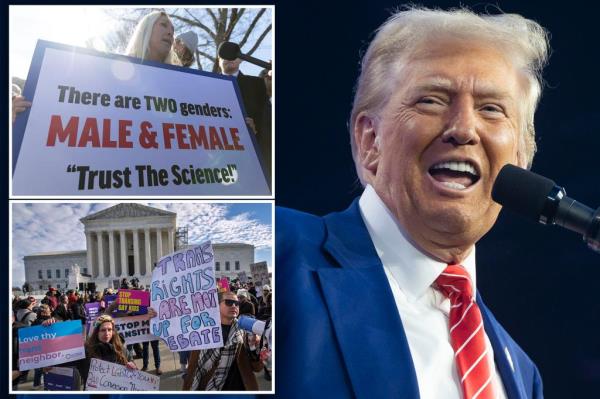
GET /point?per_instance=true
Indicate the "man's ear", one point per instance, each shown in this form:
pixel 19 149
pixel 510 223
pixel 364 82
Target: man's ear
pixel 367 145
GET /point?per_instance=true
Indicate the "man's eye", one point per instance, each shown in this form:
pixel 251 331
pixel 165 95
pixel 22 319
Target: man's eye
pixel 429 100
pixel 492 108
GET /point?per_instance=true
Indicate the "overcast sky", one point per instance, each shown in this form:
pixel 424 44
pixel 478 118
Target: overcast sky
pixel 45 227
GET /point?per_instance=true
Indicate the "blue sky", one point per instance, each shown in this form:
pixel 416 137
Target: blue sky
pixel 46 227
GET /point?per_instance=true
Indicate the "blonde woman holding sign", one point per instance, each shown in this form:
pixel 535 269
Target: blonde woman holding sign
pixel 153 39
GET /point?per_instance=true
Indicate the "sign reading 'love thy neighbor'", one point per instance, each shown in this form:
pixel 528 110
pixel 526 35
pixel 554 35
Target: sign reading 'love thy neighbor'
pixel 104 124
pixel 43 346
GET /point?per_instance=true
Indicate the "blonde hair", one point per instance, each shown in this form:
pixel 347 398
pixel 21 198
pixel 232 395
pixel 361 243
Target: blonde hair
pixel 407 32
pixel 140 40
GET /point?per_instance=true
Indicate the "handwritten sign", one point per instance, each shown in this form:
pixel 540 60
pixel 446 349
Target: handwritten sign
pixel 107 376
pixel 133 301
pixel 42 346
pixel 114 125
pixel 134 328
pixel 184 293
pixel 260 273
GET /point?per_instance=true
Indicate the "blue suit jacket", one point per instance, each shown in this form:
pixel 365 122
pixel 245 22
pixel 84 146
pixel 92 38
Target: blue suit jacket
pixel 338 331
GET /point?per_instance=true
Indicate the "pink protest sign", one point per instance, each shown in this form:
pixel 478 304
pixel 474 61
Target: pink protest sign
pixel 224 284
pixel 133 301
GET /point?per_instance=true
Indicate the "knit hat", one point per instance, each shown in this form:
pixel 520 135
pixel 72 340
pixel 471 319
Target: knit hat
pixel 190 40
pixel 16 90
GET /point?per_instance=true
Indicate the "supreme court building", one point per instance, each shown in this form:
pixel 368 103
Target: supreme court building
pixel 125 241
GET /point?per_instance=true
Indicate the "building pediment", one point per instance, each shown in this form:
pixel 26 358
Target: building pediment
pixel 121 211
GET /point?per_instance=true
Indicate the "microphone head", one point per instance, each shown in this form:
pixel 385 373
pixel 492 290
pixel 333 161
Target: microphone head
pixel 229 51
pixel 522 191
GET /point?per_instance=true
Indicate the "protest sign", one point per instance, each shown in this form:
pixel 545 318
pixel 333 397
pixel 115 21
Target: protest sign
pixel 260 273
pixel 42 346
pixel 223 284
pixel 184 293
pixel 109 299
pixel 60 379
pixel 133 301
pixel 134 329
pixel 243 277
pixel 107 376
pixel 92 311
pixel 104 124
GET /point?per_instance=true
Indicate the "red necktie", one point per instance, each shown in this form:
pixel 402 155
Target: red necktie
pixel 466 334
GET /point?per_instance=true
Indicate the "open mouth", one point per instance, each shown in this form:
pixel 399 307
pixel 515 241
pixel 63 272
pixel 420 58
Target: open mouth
pixel 457 175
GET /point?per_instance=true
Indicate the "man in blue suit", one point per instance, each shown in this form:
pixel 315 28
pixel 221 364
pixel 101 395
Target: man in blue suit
pixel 380 300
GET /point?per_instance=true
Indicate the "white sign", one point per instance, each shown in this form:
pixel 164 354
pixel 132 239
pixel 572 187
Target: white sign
pixel 260 274
pixel 134 328
pixel 184 293
pixel 108 125
pixel 107 376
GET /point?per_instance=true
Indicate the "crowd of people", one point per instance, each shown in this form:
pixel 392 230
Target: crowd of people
pixel 104 342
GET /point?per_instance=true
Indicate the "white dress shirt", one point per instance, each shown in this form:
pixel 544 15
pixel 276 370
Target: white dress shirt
pixel 235 74
pixel 423 310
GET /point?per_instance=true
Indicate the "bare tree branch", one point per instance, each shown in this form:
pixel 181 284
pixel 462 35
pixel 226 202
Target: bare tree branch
pixel 235 17
pixel 251 27
pixel 194 23
pixel 259 40
pixel 206 55
pixel 192 15
pixel 212 15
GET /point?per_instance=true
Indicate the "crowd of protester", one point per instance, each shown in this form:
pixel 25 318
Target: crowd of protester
pixel 105 343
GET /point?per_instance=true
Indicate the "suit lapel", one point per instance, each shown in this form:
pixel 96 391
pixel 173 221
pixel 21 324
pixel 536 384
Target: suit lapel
pixel 507 367
pixel 363 312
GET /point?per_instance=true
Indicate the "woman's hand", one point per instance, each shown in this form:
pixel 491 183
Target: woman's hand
pixel 19 104
pixel 131 365
pixel 49 322
pixel 151 313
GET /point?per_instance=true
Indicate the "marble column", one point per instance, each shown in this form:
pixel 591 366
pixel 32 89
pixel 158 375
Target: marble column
pixel 136 253
pixel 159 248
pixel 148 256
pixel 89 247
pixel 124 266
pixel 100 255
pixel 111 253
pixel 171 242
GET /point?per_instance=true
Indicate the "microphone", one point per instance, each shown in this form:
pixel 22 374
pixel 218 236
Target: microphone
pixel 258 327
pixel 539 199
pixel 230 51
